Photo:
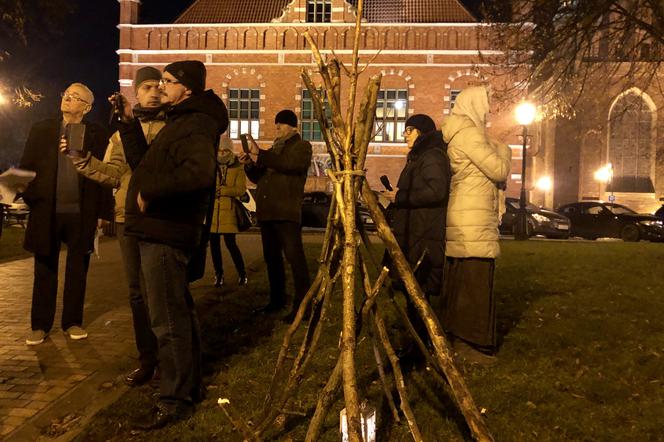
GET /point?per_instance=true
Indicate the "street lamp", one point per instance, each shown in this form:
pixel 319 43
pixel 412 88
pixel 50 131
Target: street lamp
pixel 604 175
pixel 544 184
pixel 525 114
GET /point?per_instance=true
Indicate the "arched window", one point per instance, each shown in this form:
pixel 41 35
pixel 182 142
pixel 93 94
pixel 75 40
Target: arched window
pixel 631 121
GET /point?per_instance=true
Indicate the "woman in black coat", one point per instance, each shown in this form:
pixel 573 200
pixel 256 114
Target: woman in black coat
pixel 420 203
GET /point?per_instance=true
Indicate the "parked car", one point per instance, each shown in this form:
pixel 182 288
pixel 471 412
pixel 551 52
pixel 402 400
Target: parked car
pixel 597 219
pixel 316 205
pixel 540 221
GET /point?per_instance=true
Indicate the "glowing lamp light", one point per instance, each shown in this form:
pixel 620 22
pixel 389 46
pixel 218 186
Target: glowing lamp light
pixel 544 184
pixel 399 104
pixel 368 422
pixel 604 174
pixel 3 99
pixel 525 113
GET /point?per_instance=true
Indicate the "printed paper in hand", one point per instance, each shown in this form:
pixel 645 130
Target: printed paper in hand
pixel 13 181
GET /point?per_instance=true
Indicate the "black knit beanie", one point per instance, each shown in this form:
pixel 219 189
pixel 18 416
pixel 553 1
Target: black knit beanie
pixel 191 73
pixel 421 122
pixel 286 116
pixel 145 74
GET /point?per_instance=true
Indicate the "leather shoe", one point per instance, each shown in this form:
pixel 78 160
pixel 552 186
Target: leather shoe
pixel 242 280
pixel 159 419
pixel 218 280
pixel 139 376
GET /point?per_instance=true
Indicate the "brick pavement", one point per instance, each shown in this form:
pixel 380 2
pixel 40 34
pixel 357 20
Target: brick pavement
pixel 44 383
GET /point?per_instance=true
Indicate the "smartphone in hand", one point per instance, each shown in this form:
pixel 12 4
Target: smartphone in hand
pixel 245 143
pixel 75 135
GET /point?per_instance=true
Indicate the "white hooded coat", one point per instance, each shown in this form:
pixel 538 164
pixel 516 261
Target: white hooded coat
pixel 478 165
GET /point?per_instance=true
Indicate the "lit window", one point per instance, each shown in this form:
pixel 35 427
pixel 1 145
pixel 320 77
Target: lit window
pixel 310 125
pixel 243 110
pixel 391 112
pixel 319 11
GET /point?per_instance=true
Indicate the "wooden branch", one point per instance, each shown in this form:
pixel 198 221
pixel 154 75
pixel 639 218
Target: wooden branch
pixel 236 420
pixel 443 354
pixel 398 375
pixel 325 401
pixel 383 380
pixel 365 122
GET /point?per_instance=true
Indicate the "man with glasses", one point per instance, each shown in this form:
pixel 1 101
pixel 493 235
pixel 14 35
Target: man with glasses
pixel 169 196
pixel 114 172
pixel 64 207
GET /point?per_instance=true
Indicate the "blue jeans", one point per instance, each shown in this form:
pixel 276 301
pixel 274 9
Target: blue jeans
pixel 146 341
pixel 174 322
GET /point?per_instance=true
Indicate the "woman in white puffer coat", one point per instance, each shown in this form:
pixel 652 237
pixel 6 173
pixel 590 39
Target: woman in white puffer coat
pixel 480 167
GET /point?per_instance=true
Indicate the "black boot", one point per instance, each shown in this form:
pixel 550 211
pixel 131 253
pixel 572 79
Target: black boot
pixel 219 280
pixel 242 280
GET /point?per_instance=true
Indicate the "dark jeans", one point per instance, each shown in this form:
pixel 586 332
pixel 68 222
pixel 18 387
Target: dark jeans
pixel 284 237
pixel 233 249
pixel 146 341
pixel 45 288
pixel 174 322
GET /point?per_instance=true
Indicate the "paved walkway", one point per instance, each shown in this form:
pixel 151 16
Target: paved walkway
pixel 60 381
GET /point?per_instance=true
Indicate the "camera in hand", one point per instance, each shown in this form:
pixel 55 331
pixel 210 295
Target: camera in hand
pixel 75 135
pixel 116 102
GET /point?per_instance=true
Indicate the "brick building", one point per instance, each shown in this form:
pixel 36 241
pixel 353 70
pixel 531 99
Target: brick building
pixel 254 51
pixel 428 50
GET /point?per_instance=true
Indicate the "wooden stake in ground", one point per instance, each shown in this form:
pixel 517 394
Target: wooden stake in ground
pixel 347 139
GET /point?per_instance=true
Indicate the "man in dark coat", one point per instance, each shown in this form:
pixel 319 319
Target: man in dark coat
pixel 64 207
pixel 421 206
pixel 279 172
pixel 167 202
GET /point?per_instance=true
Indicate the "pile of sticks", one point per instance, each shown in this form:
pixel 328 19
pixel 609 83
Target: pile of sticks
pixel 343 260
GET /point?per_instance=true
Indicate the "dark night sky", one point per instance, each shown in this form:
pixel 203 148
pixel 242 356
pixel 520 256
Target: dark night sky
pixel 82 48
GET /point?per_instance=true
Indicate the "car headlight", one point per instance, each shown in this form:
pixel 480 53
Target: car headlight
pixel 540 218
pixel 649 222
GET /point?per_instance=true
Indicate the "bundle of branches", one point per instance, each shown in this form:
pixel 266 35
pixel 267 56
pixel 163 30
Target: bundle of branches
pixel 560 49
pixel 343 260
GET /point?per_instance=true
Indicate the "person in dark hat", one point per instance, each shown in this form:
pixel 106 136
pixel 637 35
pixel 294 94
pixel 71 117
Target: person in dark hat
pixel 420 207
pixel 114 172
pixel 280 171
pixel 169 197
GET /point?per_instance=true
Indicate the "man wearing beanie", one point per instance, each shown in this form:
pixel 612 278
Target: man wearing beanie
pixel 169 196
pixel 114 172
pixel 421 206
pixel 279 172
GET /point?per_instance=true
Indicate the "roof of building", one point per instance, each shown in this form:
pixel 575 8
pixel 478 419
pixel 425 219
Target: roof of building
pixel 375 11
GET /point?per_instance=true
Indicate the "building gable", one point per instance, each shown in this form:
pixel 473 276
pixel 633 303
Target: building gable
pixel 375 11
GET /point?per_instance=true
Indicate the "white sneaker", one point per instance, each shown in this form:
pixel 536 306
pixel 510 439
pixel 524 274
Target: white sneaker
pixel 36 337
pixel 75 332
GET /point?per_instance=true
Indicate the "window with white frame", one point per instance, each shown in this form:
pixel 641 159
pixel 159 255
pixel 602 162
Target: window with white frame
pixel 243 112
pixel 391 115
pixel 310 125
pixel 319 11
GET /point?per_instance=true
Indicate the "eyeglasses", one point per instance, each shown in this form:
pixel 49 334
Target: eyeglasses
pixel 69 97
pixel 409 130
pixel 166 81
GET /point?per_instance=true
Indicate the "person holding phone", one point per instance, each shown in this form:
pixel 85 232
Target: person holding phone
pixel 231 184
pixel 114 173
pixel 64 208
pixel 280 171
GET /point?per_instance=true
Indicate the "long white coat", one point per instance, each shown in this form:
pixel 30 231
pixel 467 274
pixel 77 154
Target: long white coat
pixel 478 165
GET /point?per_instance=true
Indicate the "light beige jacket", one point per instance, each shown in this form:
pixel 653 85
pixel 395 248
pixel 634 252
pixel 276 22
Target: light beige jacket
pixel 114 171
pixel 478 165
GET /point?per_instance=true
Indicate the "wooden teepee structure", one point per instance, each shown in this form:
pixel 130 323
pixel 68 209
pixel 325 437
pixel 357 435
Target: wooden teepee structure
pixel 347 136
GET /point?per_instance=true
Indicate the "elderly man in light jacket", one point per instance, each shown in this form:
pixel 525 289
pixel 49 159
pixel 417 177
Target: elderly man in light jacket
pixel 480 166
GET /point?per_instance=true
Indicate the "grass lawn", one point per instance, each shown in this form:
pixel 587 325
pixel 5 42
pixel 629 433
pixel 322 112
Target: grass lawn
pixel 582 340
pixel 11 244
